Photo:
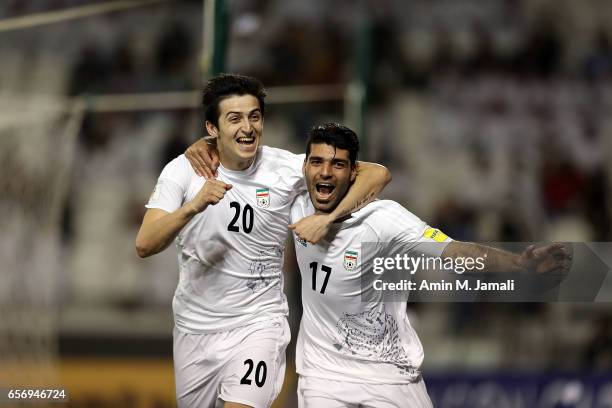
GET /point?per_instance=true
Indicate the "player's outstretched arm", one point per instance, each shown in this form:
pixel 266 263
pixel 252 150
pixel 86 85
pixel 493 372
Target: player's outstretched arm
pixel 549 258
pixel 370 181
pixel 159 228
pixel 203 157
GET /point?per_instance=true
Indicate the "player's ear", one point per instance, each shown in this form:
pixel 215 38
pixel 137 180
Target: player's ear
pixel 212 129
pixel 304 168
pixel 353 172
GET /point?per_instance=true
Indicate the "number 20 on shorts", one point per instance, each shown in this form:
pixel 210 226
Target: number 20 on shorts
pixel 260 373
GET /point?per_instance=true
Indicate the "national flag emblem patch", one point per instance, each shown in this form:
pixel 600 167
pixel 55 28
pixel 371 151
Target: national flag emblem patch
pixel 263 197
pixel 350 259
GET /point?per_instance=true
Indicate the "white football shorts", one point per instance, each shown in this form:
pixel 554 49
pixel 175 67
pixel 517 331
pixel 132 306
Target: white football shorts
pixel 322 393
pixel 244 365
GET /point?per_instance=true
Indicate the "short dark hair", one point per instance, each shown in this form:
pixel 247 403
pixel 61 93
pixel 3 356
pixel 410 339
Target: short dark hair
pixel 225 85
pixel 336 135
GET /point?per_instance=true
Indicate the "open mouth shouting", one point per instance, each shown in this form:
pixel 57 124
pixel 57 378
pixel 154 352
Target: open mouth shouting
pixel 324 191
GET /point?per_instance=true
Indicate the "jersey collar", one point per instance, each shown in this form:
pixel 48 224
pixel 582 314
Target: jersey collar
pixel 248 171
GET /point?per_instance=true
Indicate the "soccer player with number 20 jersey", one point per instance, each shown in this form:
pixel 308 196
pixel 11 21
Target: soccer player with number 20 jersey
pixel 229 307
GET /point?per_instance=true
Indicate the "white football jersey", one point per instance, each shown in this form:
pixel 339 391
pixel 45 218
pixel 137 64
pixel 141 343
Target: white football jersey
pixel 342 336
pixel 230 255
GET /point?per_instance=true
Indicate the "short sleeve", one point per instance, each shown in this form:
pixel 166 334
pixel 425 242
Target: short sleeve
pixel 408 233
pixel 170 190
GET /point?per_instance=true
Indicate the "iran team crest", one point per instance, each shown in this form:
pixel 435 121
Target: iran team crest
pixel 263 197
pixel 350 259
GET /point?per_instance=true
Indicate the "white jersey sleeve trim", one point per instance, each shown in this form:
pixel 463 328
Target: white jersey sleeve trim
pixel 167 195
pixel 170 191
pixel 407 232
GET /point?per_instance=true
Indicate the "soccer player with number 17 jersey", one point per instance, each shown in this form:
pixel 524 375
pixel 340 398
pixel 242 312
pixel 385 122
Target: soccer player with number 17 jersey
pixel 356 348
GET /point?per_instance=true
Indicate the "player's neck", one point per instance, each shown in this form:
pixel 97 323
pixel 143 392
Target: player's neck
pixel 236 165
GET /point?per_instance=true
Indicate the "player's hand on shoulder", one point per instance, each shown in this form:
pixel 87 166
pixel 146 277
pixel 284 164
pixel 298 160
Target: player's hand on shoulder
pixel 211 193
pixel 312 228
pixel 204 158
pixel 552 258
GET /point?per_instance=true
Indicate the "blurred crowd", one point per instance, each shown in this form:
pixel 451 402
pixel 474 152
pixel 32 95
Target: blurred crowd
pixel 494 119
